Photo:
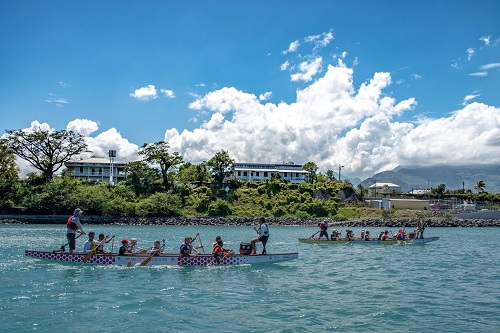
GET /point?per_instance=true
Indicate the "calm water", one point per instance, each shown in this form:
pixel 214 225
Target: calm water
pixel 452 285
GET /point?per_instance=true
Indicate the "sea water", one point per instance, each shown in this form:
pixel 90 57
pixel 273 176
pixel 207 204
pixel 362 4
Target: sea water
pixel 452 285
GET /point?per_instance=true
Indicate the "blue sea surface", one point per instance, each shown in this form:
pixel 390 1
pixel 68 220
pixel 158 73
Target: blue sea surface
pixel 452 285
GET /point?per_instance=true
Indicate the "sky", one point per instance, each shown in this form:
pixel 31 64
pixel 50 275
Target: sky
pixel 365 85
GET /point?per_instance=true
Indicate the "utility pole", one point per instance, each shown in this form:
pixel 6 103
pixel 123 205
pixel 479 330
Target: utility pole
pixel 340 167
pixel 112 155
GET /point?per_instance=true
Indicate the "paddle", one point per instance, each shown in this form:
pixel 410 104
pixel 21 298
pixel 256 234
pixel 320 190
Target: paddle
pixel 315 234
pixel 92 252
pixel 201 244
pixel 148 259
pixel 62 249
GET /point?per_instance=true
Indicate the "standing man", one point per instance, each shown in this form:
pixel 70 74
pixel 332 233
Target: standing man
pixel 263 235
pixel 323 227
pixel 72 226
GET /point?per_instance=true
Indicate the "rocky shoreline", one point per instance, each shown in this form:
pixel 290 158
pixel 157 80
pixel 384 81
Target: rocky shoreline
pixel 392 222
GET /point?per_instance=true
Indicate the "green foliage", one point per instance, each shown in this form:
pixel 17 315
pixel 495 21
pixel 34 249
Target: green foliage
pixel 157 153
pixel 219 208
pixel 160 204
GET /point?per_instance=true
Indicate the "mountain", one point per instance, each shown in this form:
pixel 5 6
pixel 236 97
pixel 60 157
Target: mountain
pixel 454 177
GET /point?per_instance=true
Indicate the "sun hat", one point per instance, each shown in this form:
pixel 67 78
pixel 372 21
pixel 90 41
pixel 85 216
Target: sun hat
pixel 77 211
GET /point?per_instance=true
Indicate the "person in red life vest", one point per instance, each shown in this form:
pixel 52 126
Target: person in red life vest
pixel 218 251
pixel 72 227
pixel 385 235
pixel 323 227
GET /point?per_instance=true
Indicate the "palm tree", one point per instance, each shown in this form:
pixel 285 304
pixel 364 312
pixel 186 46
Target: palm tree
pixel 480 186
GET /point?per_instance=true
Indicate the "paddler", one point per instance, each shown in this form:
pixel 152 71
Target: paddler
pixel 91 243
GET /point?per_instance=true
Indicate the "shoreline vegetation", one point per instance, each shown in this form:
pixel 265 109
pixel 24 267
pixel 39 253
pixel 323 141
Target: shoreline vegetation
pixel 392 222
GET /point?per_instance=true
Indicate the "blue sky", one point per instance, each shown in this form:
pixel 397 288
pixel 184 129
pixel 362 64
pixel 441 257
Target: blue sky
pixel 366 84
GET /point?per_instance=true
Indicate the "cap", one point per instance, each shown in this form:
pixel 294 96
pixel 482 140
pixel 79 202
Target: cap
pixel 77 211
pixel 133 240
pixel 124 241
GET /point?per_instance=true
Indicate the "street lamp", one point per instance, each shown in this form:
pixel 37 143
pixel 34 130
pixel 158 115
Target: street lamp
pixel 340 167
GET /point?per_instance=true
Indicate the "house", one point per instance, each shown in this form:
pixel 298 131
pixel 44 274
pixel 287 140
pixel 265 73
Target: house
pixel 96 169
pixel 391 203
pixel 292 173
pixel 383 189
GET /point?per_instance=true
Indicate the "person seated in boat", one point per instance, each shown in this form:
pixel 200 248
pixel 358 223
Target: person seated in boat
pixel 102 241
pixel 400 235
pixel 323 227
pixel 362 235
pixel 380 235
pixel 91 244
pixel 219 242
pixel 349 235
pixel 187 248
pixel 368 237
pixel 123 248
pixel 155 249
pixel 385 235
pixel 336 235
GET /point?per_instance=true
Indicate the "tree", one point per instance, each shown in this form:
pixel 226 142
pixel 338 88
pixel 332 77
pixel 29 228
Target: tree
pixel 141 178
pixel 9 180
pixel 312 168
pixel 330 174
pixel 194 174
pixel 220 166
pixel 480 186
pixel 438 192
pixel 44 149
pixel 157 153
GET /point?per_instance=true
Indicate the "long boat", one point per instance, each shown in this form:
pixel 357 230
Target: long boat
pixel 161 260
pixel 370 242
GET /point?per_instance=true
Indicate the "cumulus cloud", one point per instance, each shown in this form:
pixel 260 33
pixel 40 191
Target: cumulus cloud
pixel 307 70
pixel 292 48
pixel 168 93
pixel 265 96
pixel 82 126
pixel 331 121
pixel 145 93
pixel 285 65
pixel 486 40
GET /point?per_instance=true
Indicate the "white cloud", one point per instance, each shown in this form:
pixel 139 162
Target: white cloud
pixel 470 53
pixel 59 101
pixel 332 122
pixel 479 74
pixel 415 76
pixel 145 93
pixel 486 40
pixel 490 66
pixel 321 40
pixel 285 65
pixel 265 96
pixel 292 48
pixel 307 70
pixel 82 126
pixel 468 98
pixel 168 93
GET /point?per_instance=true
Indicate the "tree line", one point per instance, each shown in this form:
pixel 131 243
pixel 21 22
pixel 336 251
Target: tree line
pixel 174 188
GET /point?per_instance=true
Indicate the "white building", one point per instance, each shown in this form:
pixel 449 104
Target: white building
pixel 292 173
pixel 383 189
pixel 96 169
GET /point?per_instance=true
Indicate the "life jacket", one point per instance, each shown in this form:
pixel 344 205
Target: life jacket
pixel 185 249
pixel 70 224
pixel 217 250
pixel 323 226
pixel 122 250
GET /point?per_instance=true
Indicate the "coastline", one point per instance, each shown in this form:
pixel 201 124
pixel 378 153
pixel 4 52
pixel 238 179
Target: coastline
pixel 392 222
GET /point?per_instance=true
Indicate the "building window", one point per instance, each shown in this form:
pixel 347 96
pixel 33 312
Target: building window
pixel 244 173
pixel 239 173
pixel 81 169
pixel 265 173
pixel 257 174
pixel 286 174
